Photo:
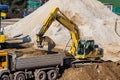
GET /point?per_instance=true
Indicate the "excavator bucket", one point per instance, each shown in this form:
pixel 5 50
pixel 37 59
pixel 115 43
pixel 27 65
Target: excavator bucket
pixel 46 40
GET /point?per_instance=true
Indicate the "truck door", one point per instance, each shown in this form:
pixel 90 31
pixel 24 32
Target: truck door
pixel 3 61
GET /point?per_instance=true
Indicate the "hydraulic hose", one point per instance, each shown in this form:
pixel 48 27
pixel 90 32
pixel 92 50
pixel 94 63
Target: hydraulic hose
pixel 116 28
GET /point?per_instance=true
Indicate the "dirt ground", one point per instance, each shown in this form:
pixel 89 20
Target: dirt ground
pixel 103 71
pixel 24 50
pixel 111 51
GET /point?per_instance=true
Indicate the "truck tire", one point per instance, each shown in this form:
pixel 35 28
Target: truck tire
pixel 5 77
pixel 52 74
pixel 41 75
pixel 20 76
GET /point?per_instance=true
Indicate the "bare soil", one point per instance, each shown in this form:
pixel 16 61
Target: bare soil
pixel 103 71
pixel 24 50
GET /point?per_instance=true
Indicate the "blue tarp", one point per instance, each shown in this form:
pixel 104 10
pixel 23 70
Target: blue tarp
pixel 4 7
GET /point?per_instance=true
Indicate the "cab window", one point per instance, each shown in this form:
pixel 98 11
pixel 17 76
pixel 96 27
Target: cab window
pixel 2 58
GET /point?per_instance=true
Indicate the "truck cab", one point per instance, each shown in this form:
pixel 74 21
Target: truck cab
pixel 3 60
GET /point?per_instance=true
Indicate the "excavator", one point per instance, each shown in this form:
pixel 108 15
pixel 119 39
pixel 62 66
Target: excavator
pixel 81 50
pixel 2 35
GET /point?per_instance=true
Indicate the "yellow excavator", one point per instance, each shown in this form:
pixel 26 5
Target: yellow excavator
pixel 3 9
pixel 80 49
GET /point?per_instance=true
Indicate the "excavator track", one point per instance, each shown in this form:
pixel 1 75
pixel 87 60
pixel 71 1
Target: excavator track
pixel 81 63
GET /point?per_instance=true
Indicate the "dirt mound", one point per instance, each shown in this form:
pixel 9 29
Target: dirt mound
pixel 111 51
pixel 104 71
pixel 24 50
pixel 89 15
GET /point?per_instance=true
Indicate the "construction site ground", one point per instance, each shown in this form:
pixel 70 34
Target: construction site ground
pixel 93 19
pixel 104 71
pixel 107 70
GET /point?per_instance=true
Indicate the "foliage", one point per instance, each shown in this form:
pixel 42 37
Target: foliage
pixel 15 4
pixel 115 3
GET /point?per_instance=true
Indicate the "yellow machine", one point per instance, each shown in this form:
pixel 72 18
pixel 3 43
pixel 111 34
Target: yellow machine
pixel 3 58
pixel 3 15
pixel 2 38
pixel 3 10
pixel 80 49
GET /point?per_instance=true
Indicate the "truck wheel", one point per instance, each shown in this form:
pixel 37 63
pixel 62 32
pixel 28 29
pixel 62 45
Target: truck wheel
pixel 41 75
pixel 52 75
pixel 20 77
pixel 5 77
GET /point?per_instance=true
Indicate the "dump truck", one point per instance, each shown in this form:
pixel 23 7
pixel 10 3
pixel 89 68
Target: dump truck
pixel 39 67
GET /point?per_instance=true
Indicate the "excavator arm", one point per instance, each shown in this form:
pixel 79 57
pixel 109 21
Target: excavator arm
pixel 48 22
pixel 80 49
pixel 56 14
pixel 45 27
pixel 73 29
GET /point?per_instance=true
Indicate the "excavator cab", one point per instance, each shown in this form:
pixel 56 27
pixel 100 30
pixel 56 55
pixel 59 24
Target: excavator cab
pixel 89 46
pixel 3 60
pixel 85 46
pixel 87 49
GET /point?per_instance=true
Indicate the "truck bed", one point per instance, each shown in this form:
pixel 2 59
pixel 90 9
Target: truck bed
pixel 45 61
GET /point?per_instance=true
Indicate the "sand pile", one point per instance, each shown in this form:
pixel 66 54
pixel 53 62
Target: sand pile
pixel 92 17
pixel 89 15
pixel 105 71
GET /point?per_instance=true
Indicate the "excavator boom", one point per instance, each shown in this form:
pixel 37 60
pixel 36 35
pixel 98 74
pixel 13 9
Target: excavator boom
pixel 56 14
